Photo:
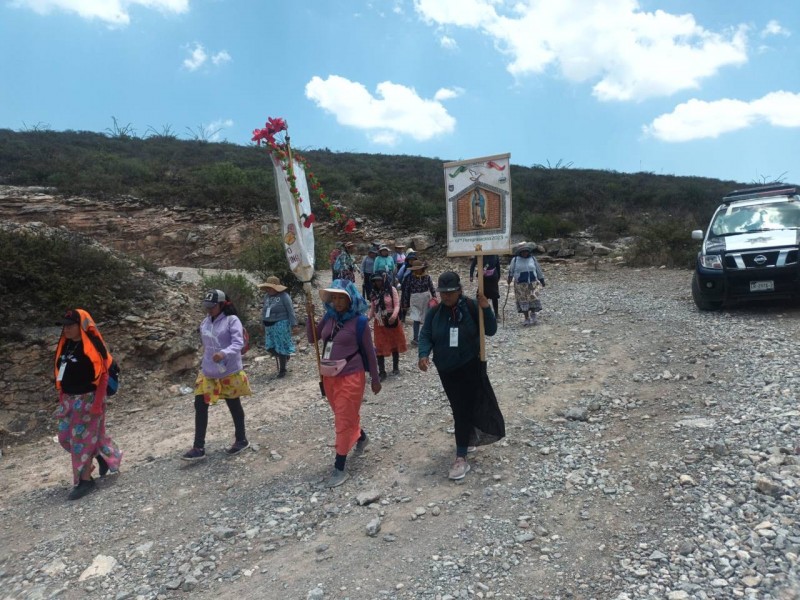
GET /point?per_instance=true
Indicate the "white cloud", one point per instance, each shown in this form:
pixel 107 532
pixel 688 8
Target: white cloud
pixel 629 54
pixel 448 43
pixel 774 28
pixel 448 93
pixel 114 12
pixel 697 119
pixel 393 112
pixel 198 57
pixel 221 57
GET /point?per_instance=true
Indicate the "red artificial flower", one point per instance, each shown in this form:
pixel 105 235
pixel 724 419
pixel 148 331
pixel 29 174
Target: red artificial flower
pixel 275 125
pixel 309 220
pixel 349 226
pixel 322 197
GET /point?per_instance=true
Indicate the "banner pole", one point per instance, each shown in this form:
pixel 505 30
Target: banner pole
pixel 481 327
pixel 310 315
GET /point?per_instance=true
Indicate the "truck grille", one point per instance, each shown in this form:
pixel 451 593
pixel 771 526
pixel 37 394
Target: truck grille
pixel 761 259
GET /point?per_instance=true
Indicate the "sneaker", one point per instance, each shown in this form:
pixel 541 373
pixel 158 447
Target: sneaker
pixel 237 447
pixel 195 454
pixel 281 374
pixel 459 469
pixel 361 444
pixel 471 449
pixel 337 478
pixel 85 486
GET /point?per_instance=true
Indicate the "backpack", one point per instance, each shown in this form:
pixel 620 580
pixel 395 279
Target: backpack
pixel 113 379
pixel 113 370
pixel 361 325
pixel 246 336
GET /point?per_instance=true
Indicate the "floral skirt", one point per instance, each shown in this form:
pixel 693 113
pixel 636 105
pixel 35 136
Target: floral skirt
pixel 389 339
pixel 83 434
pixel 525 296
pixel 279 338
pixel 229 387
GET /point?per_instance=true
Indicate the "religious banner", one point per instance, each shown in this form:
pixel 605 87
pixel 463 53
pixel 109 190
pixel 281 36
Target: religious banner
pixel 294 207
pixel 478 193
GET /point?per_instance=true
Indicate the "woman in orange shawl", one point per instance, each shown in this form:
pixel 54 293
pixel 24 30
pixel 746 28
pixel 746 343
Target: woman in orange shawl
pixel 81 372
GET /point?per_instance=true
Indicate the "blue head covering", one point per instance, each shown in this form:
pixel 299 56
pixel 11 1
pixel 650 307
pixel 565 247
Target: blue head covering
pixel 358 306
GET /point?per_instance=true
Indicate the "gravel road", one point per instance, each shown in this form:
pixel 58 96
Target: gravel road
pixel 650 454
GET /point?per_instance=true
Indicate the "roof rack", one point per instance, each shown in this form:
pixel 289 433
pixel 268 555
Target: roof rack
pixel 761 192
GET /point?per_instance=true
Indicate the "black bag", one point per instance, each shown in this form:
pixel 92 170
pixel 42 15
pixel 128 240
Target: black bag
pixel 390 325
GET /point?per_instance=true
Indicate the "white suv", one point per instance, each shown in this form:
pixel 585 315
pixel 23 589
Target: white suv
pixel 750 250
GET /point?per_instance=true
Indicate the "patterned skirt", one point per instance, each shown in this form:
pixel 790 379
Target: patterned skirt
pixel 525 296
pixel 278 338
pixel 83 434
pixel 229 387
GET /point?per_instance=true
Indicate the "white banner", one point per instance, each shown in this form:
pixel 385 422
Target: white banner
pixel 298 240
pixel 478 193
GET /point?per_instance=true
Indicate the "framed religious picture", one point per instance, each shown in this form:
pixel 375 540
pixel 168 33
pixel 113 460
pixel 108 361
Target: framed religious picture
pixel 478 204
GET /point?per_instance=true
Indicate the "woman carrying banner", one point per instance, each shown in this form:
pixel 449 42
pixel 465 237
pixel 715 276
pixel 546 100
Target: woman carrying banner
pixel 390 339
pixel 221 374
pixel 346 356
pixel 491 277
pixel 278 318
pixel 451 332
pixel 81 369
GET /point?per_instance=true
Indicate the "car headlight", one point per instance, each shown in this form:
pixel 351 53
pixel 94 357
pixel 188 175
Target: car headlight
pixel 711 261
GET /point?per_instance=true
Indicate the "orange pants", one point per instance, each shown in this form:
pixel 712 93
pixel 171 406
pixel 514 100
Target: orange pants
pixel 344 394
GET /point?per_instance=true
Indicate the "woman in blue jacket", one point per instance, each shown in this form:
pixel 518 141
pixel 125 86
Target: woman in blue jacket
pixel 451 332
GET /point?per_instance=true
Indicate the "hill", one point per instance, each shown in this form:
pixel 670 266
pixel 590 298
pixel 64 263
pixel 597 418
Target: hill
pixel 405 191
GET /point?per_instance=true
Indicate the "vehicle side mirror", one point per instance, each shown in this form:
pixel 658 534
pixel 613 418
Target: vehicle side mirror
pixel 697 234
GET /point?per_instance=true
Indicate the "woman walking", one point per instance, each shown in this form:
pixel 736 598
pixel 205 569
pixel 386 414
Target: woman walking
pixel 525 272
pixel 418 295
pixel 82 362
pixel 345 266
pixel 221 374
pixel 491 277
pixel 390 339
pixel 347 353
pixel 278 318
pixel 451 332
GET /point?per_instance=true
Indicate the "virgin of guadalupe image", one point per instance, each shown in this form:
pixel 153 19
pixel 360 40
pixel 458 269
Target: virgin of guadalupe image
pixel 478 208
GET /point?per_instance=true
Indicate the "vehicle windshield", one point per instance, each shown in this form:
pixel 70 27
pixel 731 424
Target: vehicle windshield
pixel 756 217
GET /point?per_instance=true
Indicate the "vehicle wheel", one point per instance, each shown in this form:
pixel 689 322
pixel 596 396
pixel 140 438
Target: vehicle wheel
pixel 699 300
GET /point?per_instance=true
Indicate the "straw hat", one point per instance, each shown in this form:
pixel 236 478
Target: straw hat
pixel 418 265
pixel 399 246
pixel 272 283
pixel 325 295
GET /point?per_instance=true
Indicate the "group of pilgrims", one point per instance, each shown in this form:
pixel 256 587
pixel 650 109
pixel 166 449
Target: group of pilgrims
pixel 357 331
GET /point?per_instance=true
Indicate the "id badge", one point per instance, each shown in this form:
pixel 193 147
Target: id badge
pixel 454 337
pixel 61 370
pixel 326 352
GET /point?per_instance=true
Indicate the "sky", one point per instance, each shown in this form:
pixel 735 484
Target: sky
pixel 671 87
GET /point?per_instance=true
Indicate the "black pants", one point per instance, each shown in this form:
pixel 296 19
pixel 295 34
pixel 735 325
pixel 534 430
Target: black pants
pixel 201 420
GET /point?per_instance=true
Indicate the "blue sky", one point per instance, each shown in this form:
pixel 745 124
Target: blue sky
pixel 666 86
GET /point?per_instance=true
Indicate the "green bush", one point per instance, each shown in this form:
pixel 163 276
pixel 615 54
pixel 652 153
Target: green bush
pixel 666 243
pixel 541 227
pixel 265 256
pixel 50 273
